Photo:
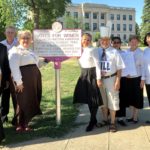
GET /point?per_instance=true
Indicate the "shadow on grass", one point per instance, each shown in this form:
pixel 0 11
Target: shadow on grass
pixel 45 125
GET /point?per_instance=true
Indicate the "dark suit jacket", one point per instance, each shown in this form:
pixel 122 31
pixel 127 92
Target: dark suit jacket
pixel 4 65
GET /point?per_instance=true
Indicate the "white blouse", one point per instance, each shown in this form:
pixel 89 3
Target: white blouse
pixel 138 57
pixel 19 56
pixel 89 59
pixel 146 64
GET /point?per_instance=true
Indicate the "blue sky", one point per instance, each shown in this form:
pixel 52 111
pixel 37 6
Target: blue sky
pixel 137 4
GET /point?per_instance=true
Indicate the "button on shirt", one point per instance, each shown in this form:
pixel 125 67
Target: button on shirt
pixel 90 59
pixel 113 63
pixel 19 56
pixel 146 66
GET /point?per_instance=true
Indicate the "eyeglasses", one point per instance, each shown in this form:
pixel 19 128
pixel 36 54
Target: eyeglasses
pixel 116 42
pixel 25 38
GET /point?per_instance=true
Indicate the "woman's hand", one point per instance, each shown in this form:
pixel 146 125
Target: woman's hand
pixel 142 84
pixel 19 88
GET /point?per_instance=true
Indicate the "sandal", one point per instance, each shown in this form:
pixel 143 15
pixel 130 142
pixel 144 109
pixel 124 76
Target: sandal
pixel 112 128
pixel 19 129
pixel 104 123
pixel 28 129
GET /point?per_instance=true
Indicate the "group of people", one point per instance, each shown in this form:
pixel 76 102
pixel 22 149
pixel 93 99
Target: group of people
pixel 113 79
pixel 20 76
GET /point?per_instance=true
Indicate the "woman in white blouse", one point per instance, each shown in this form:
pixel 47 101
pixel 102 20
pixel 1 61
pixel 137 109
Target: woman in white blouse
pixel 27 80
pixel 86 90
pixel 146 71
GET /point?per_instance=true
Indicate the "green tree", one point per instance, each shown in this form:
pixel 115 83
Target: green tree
pixel 137 30
pixel 145 26
pixel 44 12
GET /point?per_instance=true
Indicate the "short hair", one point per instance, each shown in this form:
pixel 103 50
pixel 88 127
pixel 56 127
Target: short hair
pixel 145 41
pixel 116 38
pixel 11 27
pixel 133 37
pixel 87 34
pixel 24 32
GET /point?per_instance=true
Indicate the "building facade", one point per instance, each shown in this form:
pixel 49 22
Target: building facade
pixel 92 16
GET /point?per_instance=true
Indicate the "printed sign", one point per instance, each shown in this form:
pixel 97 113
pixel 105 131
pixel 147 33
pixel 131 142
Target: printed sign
pixel 48 43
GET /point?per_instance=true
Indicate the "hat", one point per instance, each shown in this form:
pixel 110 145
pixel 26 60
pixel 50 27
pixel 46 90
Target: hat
pixel 105 31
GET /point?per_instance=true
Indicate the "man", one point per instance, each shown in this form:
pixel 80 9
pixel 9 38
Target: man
pixel 4 75
pixel 9 42
pixel 111 66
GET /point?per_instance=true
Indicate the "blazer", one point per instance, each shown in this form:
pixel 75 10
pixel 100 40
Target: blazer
pixel 4 65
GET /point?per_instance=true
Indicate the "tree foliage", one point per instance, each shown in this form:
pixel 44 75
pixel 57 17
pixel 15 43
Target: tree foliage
pixel 145 27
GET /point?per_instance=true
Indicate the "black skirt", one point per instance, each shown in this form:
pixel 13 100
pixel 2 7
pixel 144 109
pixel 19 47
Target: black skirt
pixel 86 90
pixel 134 92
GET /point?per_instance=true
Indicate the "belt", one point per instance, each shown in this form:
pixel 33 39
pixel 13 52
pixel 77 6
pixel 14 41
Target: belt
pixel 105 77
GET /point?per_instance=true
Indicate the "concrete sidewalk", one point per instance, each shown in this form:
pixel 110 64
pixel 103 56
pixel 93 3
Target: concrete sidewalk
pixel 132 137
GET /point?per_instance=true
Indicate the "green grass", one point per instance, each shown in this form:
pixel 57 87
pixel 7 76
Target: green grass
pixel 45 125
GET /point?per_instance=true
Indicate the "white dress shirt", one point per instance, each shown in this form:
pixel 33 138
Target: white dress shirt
pixel 113 63
pixel 90 59
pixel 19 56
pixel 146 66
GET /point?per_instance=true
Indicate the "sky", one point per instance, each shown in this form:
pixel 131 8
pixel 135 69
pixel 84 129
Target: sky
pixel 137 4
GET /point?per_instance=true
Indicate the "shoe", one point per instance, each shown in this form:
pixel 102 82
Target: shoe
pixel 135 121
pixel 28 129
pixel 129 120
pixel 147 122
pixel 4 119
pixel 112 127
pixel 90 127
pixel 121 122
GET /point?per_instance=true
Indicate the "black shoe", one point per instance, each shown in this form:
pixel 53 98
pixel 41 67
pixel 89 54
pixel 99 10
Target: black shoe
pixel 129 120
pixel 147 122
pixel 4 119
pixel 121 122
pixel 90 127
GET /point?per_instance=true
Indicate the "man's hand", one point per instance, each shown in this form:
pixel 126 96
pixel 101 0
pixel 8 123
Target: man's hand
pixel 117 84
pixel 99 83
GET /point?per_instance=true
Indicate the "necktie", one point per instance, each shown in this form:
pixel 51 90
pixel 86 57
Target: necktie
pixel 103 55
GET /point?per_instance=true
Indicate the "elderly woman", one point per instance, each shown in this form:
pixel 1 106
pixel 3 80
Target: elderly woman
pixel 27 80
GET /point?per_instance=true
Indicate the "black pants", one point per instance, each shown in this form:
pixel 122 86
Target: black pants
pixel 2 135
pixel 5 101
pixel 93 113
pixel 148 92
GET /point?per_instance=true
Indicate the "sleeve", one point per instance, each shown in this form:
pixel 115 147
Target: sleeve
pixel 96 59
pixel 143 67
pixel 14 60
pixel 119 61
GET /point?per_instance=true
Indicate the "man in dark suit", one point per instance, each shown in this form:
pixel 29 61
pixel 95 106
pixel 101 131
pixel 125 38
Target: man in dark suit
pixel 5 76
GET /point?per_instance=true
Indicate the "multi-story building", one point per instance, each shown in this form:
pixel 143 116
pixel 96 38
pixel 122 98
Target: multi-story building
pixel 92 16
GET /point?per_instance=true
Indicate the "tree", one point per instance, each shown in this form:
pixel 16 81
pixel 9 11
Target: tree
pixel 145 27
pixel 44 12
pixel 137 30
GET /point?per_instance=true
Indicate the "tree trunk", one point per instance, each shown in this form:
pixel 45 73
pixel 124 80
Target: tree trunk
pixel 36 18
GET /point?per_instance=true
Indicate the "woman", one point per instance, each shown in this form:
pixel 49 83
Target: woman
pixel 146 71
pixel 27 80
pixel 86 90
pixel 134 82
pixel 121 113
pixel 4 77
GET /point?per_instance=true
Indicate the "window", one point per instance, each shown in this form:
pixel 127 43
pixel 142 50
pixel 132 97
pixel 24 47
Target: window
pixel 118 17
pixel 94 26
pixel 130 27
pixel 124 37
pixel 87 26
pixel 87 15
pixel 124 17
pixel 130 17
pixel 95 15
pixel 124 27
pixel 112 16
pixel 75 14
pixel 102 24
pixel 67 13
pixel 102 16
pixel 118 27
pixel 112 28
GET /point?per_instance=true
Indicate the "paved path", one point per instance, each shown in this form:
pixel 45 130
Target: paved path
pixel 132 137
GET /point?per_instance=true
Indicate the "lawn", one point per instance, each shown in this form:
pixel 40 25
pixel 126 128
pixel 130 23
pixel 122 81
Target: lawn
pixel 45 125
